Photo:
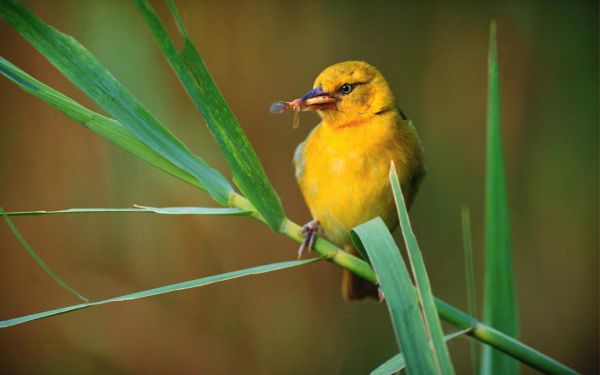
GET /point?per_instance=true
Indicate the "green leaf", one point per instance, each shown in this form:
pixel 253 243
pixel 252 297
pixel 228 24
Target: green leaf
pixel 86 72
pixel 144 209
pixel 470 279
pixel 499 305
pixel 433 326
pixel 359 247
pixel 195 210
pixel 106 127
pixel 397 362
pixel 38 259
pixel 411 336
pixel 162 290
pixel 391 366
pixel 248 173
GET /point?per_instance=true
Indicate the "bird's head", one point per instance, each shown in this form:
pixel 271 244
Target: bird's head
pixel 350 93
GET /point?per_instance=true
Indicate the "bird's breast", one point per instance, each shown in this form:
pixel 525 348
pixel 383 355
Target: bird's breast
pixel 345 180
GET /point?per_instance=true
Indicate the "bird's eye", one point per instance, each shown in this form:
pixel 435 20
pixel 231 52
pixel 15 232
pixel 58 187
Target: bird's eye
pixel 346 88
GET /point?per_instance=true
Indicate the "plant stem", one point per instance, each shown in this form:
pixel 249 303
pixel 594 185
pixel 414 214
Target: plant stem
pixel 447 312
pixel 470 280
pixel 501 341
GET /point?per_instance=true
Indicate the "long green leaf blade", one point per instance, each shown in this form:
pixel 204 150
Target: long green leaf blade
pixel 162 290
pixel 397 362
pixel 400 295
pixel 143 209
pixel 391 366
pixel 106 127
pixel 86 72
pixel 230 211
pixel 470 279
pixel 248 173
pixel 499 305
pixel 432 322
pixel 38 259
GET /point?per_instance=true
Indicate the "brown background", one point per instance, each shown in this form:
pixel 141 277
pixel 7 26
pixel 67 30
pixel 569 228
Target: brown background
pixel 294 321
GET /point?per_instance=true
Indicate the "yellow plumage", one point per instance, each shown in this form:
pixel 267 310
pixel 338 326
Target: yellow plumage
pixel 342 167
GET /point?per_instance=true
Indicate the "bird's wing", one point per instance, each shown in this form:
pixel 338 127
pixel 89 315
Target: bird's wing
pixel 299 157
pixel 299 160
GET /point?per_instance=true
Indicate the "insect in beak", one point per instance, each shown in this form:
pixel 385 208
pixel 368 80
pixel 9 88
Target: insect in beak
pixel 315 99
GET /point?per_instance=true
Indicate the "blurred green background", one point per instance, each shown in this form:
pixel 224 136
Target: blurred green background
pixel 294 321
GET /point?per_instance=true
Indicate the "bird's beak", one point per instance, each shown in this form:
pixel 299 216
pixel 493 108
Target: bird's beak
pixel 317 99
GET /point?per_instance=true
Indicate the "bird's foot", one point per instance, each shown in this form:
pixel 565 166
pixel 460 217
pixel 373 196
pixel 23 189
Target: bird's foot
pixel 310 231
pixel 380 295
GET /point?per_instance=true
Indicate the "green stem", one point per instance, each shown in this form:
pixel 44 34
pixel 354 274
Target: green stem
pixel 447 312
pixel 501 341
pixel 470 280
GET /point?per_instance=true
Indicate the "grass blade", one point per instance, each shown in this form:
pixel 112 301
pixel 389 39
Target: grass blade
pixel 400 296
pixel 38 259
pixel 162 290
pixel 470 280
pixel 86 72
pixel 391 366
pixel 195 210
pixel 469 268
pixel 499 305
pixel 144 209
pixel 248 173
pixel 106 127
pixel 397 362
pixel 432 322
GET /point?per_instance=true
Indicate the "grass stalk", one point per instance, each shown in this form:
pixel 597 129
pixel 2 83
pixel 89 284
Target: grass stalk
pixel 470 279
pixel 38 259
pixel 458 318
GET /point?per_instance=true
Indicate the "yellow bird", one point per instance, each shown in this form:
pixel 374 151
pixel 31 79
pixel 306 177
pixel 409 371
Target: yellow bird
pixel 342 167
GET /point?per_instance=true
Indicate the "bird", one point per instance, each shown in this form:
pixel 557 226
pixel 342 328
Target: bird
pixel 342 167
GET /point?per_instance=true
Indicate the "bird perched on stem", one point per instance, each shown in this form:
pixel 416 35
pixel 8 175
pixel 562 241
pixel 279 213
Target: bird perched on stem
pixel 342 167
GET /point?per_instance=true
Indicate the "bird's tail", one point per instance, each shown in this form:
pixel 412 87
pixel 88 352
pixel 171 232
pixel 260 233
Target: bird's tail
pixel 355 287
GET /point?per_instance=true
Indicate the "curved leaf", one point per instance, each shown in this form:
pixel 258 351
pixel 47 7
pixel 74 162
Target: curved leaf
pixel 433 326
pixel 38 259
pixel 397 362
pixel 248 173
pixel 107 128
pixel 86 72
pixel 400 296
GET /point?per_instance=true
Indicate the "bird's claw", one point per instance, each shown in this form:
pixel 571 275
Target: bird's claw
pixel 380 295
pixel 310 231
